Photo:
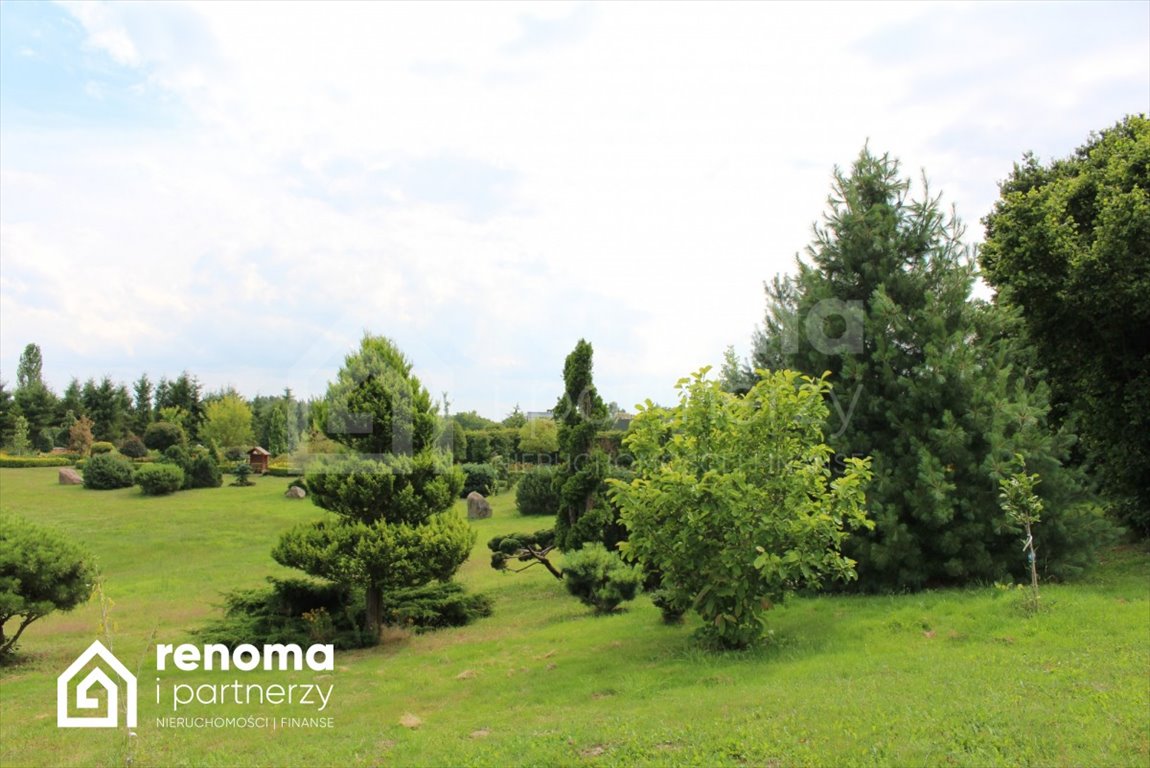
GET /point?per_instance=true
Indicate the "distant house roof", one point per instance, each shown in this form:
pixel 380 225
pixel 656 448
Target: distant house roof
pixel 258 451
pixel 533 415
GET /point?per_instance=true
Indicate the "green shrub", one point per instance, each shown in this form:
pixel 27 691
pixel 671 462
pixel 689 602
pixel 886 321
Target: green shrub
pixel 536 493
pixel 101 446
pixel 304 612
pixel 235 453
pixel 505 546
pixel 204 470
pixel 436 605
pixel 105 472
pixel 24 462
pixel 132 447
pixel 600 578
pixel 483 478
pixel 162 435
pixel 290 611
pixel 41 571
pixel 200 469
pixel 159 479
pixel 242 472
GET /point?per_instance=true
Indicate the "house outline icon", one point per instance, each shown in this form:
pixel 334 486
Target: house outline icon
pixel 84 700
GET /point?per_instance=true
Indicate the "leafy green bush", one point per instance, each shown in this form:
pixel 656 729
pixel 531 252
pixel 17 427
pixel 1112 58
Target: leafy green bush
pixel 483 478
pixel 133 447
pixel 25 462
pixel 162 435
pixel 105 472
pixel 600 578
pixel 101 446
pixel 159 479
pixel 536 493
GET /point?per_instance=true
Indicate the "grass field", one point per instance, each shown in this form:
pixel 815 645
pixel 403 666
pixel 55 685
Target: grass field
pixel 938 678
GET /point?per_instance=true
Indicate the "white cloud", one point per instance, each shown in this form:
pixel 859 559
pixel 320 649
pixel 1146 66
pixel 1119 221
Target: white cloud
pixel 487 183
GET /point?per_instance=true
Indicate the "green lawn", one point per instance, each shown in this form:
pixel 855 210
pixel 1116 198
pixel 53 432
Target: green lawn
pixel 939 678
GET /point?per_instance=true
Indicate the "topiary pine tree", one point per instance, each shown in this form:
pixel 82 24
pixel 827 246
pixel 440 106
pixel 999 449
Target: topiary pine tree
pixel 392 526
pixel 926 381
pixel 584 511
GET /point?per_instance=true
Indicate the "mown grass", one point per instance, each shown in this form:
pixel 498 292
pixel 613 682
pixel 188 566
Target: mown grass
pixel 938 678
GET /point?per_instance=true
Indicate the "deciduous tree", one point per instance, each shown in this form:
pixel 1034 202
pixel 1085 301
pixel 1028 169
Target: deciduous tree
pixel 1068 244
pixel 735 502
pixel 228 421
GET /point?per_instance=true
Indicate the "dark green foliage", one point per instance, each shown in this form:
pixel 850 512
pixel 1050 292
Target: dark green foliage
pixel 40 572
pixel 109 406
pixel 200 469
pixel 536 494
pixel 434 606
pixel 291 611
pixel 929 382
pixel 479 447
pixel 204 470
pixel 1068 245
pixel 392 526
pixel 584 514
pixel 105 472
pixel 242 472
pixel 513 545
pixel 483 478
pixel 133 447
pixel 600 578
pixel 161 435
pixel 37 405
pixel 159 479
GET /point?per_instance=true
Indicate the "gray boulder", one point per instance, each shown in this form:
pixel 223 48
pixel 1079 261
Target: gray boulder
pixel 295 492
pixel 477 507
pixel 69 476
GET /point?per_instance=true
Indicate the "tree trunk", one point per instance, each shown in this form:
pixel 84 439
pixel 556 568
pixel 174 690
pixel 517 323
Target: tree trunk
pixel 374 614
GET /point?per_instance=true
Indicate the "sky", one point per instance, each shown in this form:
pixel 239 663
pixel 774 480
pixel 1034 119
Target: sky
pixel 241 190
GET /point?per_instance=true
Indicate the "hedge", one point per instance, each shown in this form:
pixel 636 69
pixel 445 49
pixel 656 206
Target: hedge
pixel 23 462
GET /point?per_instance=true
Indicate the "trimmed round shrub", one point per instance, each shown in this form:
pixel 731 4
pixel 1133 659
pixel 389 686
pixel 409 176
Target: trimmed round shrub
pixel 159 479
pixel 102 446
pixel 600 578
pixel 162 435
pixel 536 493
pixel 483 478
pixel 105 472
pixel 133 447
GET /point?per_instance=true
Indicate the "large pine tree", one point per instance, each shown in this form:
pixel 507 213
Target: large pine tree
pixel 927 381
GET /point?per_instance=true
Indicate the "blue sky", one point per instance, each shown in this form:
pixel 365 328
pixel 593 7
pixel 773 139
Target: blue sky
pixel 241 189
